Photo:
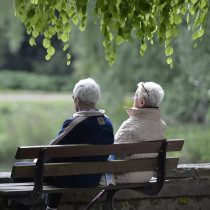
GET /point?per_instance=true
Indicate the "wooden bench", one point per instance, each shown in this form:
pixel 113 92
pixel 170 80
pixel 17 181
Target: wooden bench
pixel 29 193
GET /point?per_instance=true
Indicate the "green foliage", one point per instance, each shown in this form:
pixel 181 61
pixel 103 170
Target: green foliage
pixel 27 123
pixel 31 81
pixel 196 147
pixel 120 21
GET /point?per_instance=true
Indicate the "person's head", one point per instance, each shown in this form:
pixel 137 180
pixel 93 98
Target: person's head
pixel 86 94
pixel 148 95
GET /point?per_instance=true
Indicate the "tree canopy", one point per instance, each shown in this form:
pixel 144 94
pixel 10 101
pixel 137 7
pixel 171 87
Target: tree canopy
pixel 139 21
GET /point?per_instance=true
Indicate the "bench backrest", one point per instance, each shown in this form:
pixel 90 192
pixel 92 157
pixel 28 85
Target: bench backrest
pixel 117 166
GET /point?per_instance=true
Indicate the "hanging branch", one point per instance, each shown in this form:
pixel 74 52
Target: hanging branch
pixel 120 21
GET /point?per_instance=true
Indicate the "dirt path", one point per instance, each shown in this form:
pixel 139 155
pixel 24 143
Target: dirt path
pixel 34 97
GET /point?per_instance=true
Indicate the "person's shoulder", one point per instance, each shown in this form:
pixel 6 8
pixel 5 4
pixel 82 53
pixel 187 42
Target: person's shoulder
pixel 67 121
pixel 107 118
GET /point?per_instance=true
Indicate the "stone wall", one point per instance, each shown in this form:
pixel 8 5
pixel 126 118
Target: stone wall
pixel 187 188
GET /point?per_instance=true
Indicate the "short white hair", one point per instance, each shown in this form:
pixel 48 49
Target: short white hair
pixel 87 90
pixel 151 92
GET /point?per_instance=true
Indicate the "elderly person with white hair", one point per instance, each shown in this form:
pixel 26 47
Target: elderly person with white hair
pixel 143 124
pixel 88 125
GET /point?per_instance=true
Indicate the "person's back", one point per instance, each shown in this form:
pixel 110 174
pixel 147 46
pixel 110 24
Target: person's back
pixel 93 130
pixel 143 124
pixel 88 125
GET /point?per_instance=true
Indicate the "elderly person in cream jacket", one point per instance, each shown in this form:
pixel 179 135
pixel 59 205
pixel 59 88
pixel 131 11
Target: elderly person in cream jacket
pixel 143 124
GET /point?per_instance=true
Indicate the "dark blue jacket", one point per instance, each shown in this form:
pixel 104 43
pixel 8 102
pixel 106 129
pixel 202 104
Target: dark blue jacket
pixel 93 130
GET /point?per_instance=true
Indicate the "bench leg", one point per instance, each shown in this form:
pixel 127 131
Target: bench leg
pixel 161 173
pixel 35 195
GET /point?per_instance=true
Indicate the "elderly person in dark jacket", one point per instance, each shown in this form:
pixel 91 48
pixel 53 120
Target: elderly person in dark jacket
pixel 88 125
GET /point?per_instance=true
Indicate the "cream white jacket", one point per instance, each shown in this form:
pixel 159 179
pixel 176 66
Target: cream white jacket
pixel 142 125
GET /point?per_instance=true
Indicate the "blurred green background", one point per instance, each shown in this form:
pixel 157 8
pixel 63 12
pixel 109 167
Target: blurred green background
pixel 27 119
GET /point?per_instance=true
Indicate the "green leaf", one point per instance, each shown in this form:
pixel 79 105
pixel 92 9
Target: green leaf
pixel 169 51
pixel 31 13
pixel 51 50
pixel 113 54
pixel 52 30
pixel 75 21
pixel 175 31
pixel 196 24
pixel 137 22
pixel 68 56
pixel 65 37
pixel 200 33
pixel 167 42
pixel 192 10
pixel 107 56
pixel 139 33
pixel 169 60
pixel 32 41
pixel 67 28
pixel 66 46
pixel 143 46
pixel 177 19
pixel 168 34
pixel 34 19
pixel 153 24
pixel 47 57
pixel 29 30
pixel 203 3
pixel 111 62
pixel 46 34
pixel 17 4
pixel 118 40
pixel 64 19
pixel 195 35
pixel 107 48
pixel 188 18
pixel 110 36
pixel 82 27
pixel 195 44
pixel 35 33
pixel 46 43
pixel 142 52
pixel 80 15
pixel 183 9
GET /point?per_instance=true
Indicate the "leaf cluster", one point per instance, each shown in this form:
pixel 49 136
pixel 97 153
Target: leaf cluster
pixel 120 21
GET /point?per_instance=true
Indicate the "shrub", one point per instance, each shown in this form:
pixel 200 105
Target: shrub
pixel 31 81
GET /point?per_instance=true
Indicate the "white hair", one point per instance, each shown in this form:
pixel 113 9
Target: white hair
pixel 87 90
pixel 151 92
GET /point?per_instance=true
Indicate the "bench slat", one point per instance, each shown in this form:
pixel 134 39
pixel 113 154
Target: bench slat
pixel 175 145
pixel 119 166
pixel 55 151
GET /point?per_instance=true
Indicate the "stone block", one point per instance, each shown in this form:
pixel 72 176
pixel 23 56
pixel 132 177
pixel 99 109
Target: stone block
pixel 204 203
pixel 183 203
